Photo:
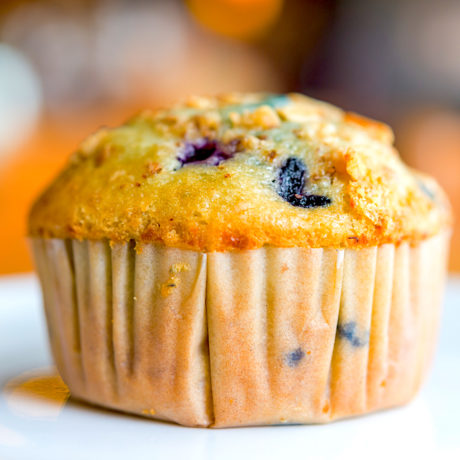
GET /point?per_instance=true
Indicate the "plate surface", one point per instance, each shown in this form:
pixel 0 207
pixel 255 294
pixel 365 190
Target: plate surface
pixel 38 420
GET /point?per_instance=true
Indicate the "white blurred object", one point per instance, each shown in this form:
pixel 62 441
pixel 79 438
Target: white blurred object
pixel 20 99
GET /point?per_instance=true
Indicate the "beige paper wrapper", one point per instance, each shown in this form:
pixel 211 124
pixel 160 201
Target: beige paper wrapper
pixel 259 337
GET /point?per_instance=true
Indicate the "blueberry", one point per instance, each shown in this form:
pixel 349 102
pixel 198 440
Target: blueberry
pixel 428 192
pixel 294 357
pixel 206 151
pixel 291 179
pixel 309 201
pixel 274 100
pixel 348 332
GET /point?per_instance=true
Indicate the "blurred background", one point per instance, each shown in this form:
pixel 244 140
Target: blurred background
pixel 69 67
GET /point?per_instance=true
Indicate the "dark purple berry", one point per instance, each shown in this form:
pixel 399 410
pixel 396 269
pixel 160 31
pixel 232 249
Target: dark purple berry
pixel 291 179
pixel 309 201
pixel 206 151
pixel 294 357
pixel 348 331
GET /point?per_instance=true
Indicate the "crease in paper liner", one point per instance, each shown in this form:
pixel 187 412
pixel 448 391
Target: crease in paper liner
pixel 267 336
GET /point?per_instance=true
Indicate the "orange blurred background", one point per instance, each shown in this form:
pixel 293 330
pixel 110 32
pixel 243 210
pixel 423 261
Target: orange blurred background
pixel 69 67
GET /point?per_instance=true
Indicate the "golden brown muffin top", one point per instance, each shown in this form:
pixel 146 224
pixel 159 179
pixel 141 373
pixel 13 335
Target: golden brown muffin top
pixel 241 171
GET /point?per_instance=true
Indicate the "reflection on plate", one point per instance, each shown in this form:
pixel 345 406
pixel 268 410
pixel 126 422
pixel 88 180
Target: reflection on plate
pixel 37 394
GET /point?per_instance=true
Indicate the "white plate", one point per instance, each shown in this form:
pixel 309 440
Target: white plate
pixel 37 421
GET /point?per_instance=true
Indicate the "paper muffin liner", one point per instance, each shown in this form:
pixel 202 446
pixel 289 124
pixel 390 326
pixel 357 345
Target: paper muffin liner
pixel 265 336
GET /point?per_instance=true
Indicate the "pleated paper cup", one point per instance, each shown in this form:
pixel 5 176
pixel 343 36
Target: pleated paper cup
pixel 257 337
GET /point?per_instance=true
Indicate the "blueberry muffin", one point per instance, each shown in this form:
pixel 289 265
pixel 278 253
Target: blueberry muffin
pixel 247 259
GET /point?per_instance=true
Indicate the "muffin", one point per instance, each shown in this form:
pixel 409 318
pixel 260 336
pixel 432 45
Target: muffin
pixel 248 259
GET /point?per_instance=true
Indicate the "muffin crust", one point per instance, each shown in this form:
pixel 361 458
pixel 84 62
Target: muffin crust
pixel 207 175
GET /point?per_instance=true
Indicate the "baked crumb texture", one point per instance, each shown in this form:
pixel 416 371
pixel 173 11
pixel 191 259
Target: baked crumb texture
pixel 242 171
pixel 257 337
